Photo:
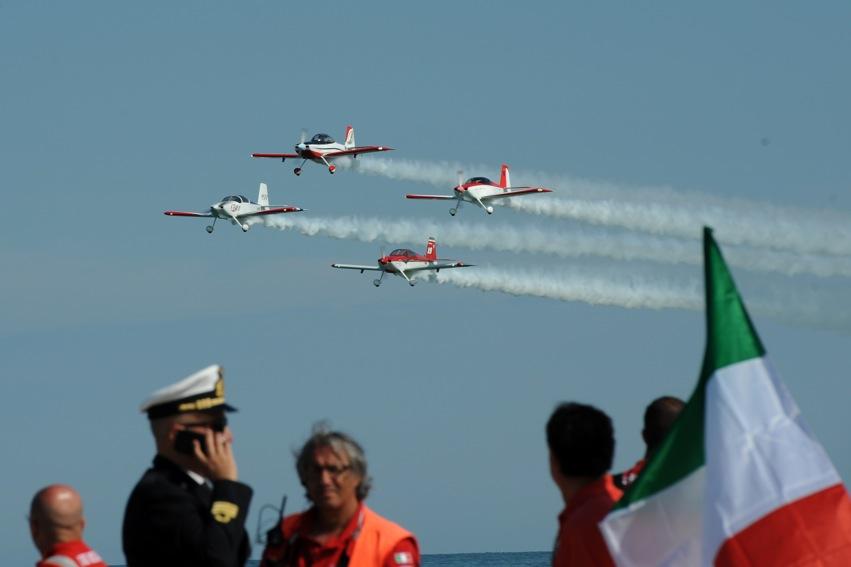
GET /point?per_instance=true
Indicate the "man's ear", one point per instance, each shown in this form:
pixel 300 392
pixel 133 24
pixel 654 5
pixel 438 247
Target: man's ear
pixel 555 471
pixel 172 431
pixel 33 527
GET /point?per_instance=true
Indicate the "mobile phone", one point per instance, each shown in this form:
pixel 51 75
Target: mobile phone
pixel 183 442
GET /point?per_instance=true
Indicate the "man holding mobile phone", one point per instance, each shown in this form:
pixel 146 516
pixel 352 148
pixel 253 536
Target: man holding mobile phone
pixel 189 508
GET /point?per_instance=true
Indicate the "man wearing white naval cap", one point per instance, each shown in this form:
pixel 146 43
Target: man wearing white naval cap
pixel 189 508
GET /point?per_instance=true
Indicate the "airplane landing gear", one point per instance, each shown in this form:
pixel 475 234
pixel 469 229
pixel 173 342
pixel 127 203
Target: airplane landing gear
pixel 376 283
pixel 210 229
pixel 412 283
pixel 297 171
pixel 244 227
pixel 453 211
pixel 489 210
pixel 332 169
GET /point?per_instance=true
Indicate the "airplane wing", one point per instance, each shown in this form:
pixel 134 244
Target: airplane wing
pixel 273 211
pixel 438 197
pixel 441 266
pixel 279 156
pixel 517 191
pixel 358 150
pixel 356 267
pixel 186 214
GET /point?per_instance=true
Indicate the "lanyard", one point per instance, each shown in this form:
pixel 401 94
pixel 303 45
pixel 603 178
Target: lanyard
pixel 344 559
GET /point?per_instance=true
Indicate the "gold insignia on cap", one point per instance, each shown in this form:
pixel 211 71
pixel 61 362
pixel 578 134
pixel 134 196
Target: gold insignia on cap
pixel 223 512
pixel 220 386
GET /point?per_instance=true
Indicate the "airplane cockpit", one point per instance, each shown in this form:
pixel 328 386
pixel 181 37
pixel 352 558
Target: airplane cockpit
pixel 403 252
pixel 479 181
pixel 321 139
pixel 236 199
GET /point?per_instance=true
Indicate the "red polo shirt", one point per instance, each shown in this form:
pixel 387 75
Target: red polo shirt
pixel 76 551
pixel 579 541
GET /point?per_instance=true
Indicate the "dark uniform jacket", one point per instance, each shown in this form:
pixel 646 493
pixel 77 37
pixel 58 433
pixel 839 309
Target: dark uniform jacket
pixel 172 520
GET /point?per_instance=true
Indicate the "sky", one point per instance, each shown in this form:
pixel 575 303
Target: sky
pixel 647 121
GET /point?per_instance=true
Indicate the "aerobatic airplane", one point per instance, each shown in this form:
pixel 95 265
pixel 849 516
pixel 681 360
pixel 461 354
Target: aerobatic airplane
pixel 237 208
pixel 403 262
pixel 481 190
pixel 322 148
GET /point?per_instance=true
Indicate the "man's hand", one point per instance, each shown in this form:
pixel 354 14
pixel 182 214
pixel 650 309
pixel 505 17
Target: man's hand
pixel 218 462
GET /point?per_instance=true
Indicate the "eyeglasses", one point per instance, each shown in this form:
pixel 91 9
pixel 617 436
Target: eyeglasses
pixel 218 425
pixel 335 471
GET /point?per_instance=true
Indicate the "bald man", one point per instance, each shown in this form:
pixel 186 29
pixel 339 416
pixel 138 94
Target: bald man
pixel 56 525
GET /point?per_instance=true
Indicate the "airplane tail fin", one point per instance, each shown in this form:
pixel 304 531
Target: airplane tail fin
pixel 504 178
pixel 431 249
pixel 350 137
pixel 263 195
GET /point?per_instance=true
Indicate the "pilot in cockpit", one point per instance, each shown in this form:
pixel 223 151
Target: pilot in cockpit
pixel 322 139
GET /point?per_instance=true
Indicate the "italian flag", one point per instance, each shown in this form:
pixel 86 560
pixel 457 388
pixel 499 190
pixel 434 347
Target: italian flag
pixel 740 479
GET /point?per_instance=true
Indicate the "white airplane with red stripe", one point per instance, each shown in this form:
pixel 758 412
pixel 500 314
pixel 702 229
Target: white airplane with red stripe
pixel 405 263
pixel 481 191
pixel 323 149
pixel 238 208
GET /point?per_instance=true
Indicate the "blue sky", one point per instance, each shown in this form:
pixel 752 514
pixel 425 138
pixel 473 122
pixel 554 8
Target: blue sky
pixel 111 113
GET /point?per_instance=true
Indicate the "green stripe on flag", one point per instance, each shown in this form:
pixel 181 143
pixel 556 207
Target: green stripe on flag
pixel 730 335
pixel 730 338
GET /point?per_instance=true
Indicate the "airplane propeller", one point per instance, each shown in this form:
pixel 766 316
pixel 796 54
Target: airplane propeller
pixel 460 177
pixel 303 137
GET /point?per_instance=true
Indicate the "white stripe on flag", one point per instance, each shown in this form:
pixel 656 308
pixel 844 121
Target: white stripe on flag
pixel 759 453
pixel 664 529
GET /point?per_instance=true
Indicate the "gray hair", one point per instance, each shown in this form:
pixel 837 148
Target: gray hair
pixel 341 444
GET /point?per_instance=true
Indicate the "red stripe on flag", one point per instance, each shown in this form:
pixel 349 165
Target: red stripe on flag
pixel 814 530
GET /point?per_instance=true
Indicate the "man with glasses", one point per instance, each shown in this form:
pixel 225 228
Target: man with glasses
pixel 339 529
pixel 189 508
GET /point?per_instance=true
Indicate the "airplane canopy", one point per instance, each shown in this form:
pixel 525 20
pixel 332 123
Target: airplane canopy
pixel 479 181
pixel 403 252
pixel 236 198
pixel 322 139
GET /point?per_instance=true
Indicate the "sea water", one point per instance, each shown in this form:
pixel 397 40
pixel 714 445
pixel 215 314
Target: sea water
pixel 522 559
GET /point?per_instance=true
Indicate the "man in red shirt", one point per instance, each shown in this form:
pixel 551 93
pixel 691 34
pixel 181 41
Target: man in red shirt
pixel 581 446
pixel 659 417
pixel 339 529
pixel 56 526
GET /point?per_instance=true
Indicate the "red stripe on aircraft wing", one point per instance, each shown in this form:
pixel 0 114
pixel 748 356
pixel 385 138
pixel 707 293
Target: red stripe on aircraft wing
pixel 275 155
pixel 185 214
pixel 360 150
pixel 278 210
pixel 440 197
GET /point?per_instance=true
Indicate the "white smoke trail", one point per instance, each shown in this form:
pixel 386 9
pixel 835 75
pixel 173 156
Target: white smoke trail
pixel 639 292
pixel 660 211
pixel 632 293
pixel 441 174
pixel 569 243
pixel 808 233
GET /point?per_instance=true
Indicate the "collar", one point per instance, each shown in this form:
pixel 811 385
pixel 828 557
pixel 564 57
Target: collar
pixel 603 485
pixel 349 533
pixel 196 477
pixel 71 549
pixel 161 462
